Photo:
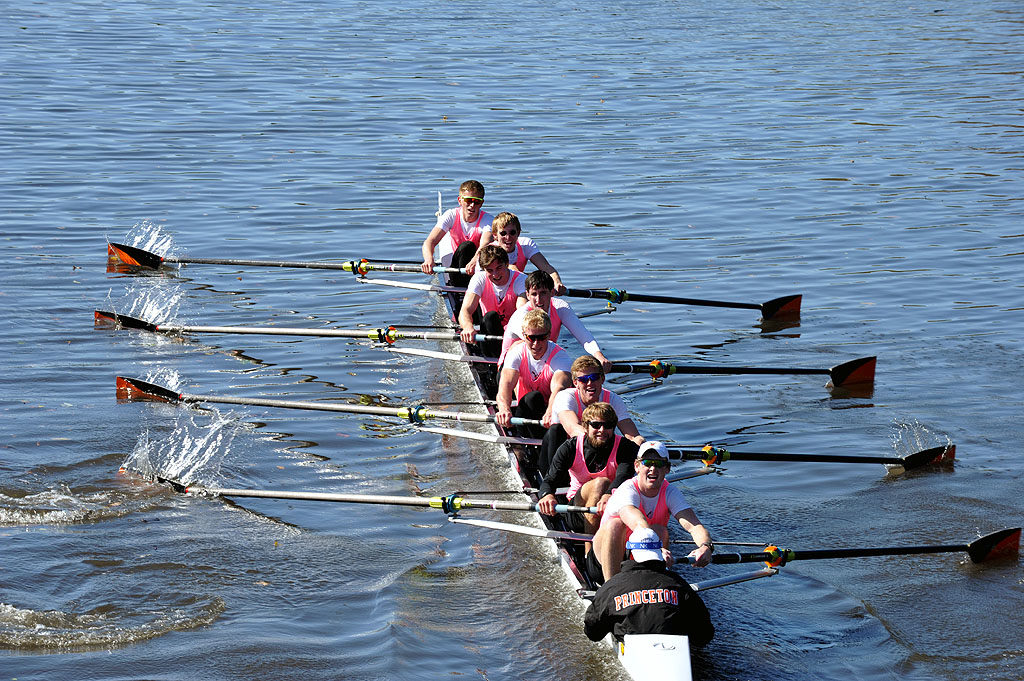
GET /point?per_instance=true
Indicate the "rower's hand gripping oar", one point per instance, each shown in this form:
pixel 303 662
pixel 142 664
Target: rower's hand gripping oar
pixel 996 545
pixel 857 372
pixel 450 504
pixel 711 455
pixel 132 389
pixel 387 335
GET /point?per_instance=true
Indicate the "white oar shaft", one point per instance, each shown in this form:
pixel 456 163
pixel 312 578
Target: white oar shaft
pixel 449 504
pixel 382 334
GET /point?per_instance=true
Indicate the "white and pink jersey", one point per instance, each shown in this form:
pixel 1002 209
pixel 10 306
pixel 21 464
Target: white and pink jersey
pixel 566 318
pixel 501 299
pixel 536 374
pixel 580 475
pixel 525 249
pixel 456 231
pixel 657 509
pixel 569 400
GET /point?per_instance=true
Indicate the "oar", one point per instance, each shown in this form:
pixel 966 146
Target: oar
pixel 858 371
pixel 123 255
pixel 711 455
pixel 999 544
pixel 776 308
pixel 384 335
pixel 449 504
pixel 136 389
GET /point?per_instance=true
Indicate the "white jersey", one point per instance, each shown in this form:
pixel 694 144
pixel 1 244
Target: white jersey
pixel 626 494
pixel 570 400
pixel 559 362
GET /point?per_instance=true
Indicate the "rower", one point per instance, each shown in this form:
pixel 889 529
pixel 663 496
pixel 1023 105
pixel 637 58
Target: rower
pixel 458 231
pixel 506 232
pixel 647 501
pixel 647 598
pixel 539 287
pixel 588 381
pixel 496 291
pixel 592 465
pixel 534 371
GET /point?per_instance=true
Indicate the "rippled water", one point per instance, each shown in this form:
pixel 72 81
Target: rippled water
pixel 866 155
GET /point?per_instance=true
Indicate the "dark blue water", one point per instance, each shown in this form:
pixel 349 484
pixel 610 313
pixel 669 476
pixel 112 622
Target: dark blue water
pixel 866 155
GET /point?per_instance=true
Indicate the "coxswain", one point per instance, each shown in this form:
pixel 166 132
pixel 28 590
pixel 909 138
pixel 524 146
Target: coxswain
pixel 539 289
pixel 592 465
pixel 496 291
pixel 458 231
pixel 647 598
pixel 588 388
pixel 647 501
pixel 534 371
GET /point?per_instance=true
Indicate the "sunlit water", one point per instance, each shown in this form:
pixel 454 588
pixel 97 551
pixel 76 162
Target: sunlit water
pixel 864 155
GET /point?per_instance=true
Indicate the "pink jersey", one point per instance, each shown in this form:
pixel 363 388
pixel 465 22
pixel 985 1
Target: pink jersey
pixel 504 307
pixel 527 381
pixel 458 234
pixel 579 474
pixel 510 338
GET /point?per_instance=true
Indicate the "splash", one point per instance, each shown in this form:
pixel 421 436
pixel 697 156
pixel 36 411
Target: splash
pixel 102 627
pixel 913 436
pixel 193 452
pixel 150 237
pixel 61 506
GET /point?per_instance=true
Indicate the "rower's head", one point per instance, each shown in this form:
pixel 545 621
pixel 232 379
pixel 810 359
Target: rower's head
pixel 471 197
pixel 494 260
pixel 536 330
pixel 588 377
pixel 599 420
pixel 651 465
pixel 539 286
pixel 644 544
pixel 506 229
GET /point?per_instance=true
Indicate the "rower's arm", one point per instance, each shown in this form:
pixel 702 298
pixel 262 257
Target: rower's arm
pixel 571 423
pixel 429 244
pixel 559 381
pixel 469 305
pixel 628 428
pixel 506 393
pixel 701 537
pixel 541 263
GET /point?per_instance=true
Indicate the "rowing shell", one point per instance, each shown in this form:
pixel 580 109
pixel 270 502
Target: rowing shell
pixel 644 657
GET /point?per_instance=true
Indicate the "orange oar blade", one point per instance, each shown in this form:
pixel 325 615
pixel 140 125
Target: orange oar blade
pixel 124 258
pixel 129 389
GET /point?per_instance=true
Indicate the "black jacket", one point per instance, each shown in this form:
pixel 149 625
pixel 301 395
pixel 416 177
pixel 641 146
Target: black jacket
pixel 647 598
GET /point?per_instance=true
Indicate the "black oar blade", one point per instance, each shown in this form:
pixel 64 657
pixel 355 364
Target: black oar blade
pixel 942 454
pixel 781 309
pixel 175 485
pixel 103 318
pixel 124 258
pixel 855 373
pixel 134 389
pixel 1000 544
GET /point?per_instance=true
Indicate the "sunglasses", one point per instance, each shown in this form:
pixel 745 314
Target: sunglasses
pixel 655 463
pixel 537 336
pixel 600 424
pixel 471 199
pixel 502 232
pixel 587 378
